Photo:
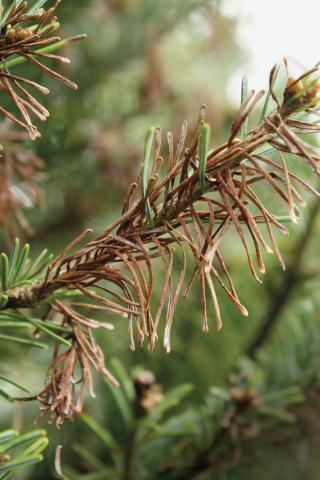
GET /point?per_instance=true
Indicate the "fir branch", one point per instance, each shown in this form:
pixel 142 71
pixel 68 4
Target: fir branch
pixel 29 34
pixel 194 204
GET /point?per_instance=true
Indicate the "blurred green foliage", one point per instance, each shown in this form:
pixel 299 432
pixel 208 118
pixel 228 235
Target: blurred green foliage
pixel 18 451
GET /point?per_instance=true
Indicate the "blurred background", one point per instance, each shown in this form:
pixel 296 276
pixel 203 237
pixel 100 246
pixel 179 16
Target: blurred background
pixel 155 62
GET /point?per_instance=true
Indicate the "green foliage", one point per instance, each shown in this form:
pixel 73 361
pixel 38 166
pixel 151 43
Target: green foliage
pixel 17 271
pixel 244 95
pixel 20 269
pixel 268 96
pixel 148 151
pixel 204 147
pixel 18 451
pixel 15 320
pixel 167 440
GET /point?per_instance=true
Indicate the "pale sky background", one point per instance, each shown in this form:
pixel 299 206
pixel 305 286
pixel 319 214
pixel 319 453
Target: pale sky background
pixel 272 29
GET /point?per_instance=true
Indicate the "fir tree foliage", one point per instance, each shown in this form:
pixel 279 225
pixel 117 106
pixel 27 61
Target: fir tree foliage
pixel 186 199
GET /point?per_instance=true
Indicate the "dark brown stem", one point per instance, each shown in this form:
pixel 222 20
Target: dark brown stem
pixel 280 294
pixel 129 453
pixel 203 461
pixel 221 454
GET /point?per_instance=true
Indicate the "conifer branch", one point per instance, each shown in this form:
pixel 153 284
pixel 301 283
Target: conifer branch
pixel 202 196
pixel 28 33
